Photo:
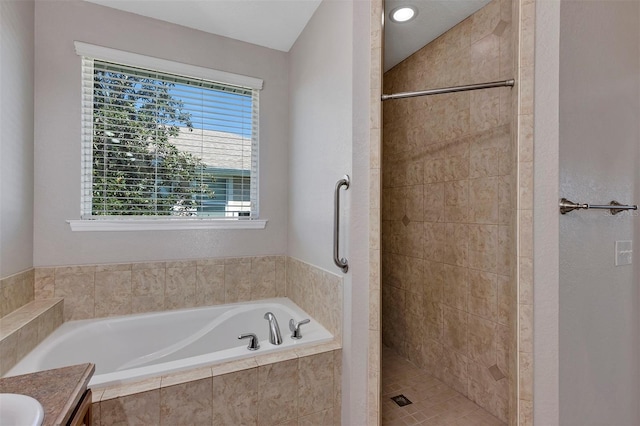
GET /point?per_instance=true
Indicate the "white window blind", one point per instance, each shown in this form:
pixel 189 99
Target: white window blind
pixel 158 144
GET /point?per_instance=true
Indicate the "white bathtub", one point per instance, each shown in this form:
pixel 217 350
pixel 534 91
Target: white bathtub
pixel 133 347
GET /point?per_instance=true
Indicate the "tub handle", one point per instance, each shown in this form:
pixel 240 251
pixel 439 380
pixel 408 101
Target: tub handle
pixel 295 328
pixel 253 342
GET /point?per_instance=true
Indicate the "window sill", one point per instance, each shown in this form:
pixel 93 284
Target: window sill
pixel 164 224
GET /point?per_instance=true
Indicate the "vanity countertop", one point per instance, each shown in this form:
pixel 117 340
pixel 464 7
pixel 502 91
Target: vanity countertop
pixel 58 390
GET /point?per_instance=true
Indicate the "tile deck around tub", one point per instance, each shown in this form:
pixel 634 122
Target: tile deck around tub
pixel 23 329
pixel 433 403
pixel 304 390
pixel 29 312
pixel 172 379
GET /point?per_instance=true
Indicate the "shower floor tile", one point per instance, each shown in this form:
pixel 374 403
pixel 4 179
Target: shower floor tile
pixel 433 402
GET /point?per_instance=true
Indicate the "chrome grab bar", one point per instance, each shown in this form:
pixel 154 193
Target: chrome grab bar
pixel 342 263
pixel 614 207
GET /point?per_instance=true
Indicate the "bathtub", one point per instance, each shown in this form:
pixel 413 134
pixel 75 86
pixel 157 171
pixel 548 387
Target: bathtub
pixel 134 347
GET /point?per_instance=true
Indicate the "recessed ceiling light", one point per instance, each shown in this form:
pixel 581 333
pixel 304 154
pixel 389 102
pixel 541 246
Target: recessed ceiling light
pixel 403 14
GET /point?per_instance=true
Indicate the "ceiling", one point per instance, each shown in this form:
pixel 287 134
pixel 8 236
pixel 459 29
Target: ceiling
pixel 276 24
pixel 433 19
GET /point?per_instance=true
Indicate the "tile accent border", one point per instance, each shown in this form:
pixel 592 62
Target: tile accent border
pixel 375 193
pixel 525 67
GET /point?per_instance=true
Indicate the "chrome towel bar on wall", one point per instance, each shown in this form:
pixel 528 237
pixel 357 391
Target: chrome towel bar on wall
pixel 341 263
pixel 614 207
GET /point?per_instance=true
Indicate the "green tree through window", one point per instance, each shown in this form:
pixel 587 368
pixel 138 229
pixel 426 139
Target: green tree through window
pixel 136 171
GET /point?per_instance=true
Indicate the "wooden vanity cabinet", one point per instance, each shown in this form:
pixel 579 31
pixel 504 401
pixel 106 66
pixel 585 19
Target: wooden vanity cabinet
pixel 82 414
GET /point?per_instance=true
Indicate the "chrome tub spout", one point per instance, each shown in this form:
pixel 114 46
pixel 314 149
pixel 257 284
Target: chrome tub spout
pixel 274 330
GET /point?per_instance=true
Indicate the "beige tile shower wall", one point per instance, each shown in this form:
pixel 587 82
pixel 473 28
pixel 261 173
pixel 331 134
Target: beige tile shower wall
pixel 106 290
pixel 317 292
pixel 301 391
pixel 16 291
pixel 448 210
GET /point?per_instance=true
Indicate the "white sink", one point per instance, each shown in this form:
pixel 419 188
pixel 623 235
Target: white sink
pixel 20 410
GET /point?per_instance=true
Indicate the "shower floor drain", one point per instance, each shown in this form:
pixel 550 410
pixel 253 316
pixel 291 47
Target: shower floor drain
pixel 401 400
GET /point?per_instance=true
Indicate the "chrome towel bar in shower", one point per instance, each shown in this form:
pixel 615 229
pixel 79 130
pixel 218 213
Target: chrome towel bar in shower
pixel 614 207
pixel 341 263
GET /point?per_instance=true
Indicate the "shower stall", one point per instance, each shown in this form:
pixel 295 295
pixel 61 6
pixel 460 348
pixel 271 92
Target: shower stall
pixel 449 211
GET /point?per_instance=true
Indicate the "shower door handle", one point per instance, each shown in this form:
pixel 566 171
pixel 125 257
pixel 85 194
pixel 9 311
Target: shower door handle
pixel 342 263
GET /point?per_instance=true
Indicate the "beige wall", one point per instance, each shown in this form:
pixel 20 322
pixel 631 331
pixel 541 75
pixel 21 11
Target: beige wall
pixel 599 106
pixel 311 153
pixel 57 136
pixel 585 50
pixel 545 216
pixel 448 210
pixel 322 144
pixel 320 97
pixel 16 136
pixel 328 138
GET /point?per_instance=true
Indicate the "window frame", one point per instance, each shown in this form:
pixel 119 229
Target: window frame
pixel 135 223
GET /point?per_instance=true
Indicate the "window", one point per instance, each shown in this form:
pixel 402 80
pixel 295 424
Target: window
pixel 164 140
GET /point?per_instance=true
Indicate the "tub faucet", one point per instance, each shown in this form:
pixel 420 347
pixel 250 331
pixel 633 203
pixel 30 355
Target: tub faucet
pixel 253 341
pixel 274 330
pixel 295 327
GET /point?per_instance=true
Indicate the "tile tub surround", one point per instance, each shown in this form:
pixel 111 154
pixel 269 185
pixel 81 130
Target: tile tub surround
pixel 449 200
pixel 317 292
pixel 16 291
pixel 95 291
pixel 300 387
